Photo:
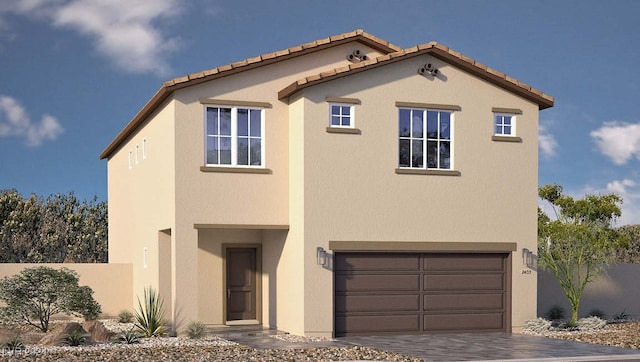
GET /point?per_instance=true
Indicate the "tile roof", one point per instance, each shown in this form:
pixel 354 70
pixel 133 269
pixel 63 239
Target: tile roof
pixel 250 63
pixel 437 50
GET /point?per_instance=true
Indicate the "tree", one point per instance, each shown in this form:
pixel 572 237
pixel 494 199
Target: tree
pixel 36 294
pixel 57 229
pixel 579 242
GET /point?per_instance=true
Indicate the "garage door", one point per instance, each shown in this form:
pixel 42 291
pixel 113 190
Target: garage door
pixel 410 293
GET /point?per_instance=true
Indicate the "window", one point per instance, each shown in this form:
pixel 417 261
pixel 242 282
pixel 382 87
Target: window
pixel 341 115
pixel 504 124
pixel 425 139
pixel 234 136
pixel 144 148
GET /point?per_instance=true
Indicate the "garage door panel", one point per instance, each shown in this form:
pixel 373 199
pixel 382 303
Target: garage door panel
pixel 448 282
pixel 399 323
pixel 462 322
pixel 378 303
pixel 378 283
pixel 443 302
pixel 462 262
pixel 378 262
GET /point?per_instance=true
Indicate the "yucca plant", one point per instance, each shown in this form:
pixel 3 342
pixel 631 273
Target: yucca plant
pixel 14 345
pixel 128 337
pixel 74 339
pixel 196 330
pixel 149 318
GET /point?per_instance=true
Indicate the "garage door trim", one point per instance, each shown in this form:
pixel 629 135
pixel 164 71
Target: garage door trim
pixel 421 246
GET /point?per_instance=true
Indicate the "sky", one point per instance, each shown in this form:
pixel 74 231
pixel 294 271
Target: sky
pixel 74 72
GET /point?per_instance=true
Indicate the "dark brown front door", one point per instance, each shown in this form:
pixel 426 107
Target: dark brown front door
pixel 241 283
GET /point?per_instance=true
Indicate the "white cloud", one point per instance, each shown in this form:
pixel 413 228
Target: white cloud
pixel 123 30
pixel 546 142
pixel 15 122
pixel 630 192
pixel 620 141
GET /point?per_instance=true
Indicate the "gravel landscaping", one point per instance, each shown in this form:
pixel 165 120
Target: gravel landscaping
pixel 625 335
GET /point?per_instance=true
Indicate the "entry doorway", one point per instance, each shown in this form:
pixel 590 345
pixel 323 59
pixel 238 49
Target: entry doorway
pixel 242 283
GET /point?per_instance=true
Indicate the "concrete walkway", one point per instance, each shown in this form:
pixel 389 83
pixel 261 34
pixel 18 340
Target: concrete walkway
pixel 449 347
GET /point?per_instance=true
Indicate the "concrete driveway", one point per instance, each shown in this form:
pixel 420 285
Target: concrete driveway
pixel 493 347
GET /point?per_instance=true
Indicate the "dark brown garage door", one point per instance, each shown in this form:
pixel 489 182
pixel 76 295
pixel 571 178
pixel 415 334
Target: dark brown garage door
pixel 410 293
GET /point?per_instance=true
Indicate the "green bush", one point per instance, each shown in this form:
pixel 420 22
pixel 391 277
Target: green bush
pixel 196 330
pixel 128 337
pixel 74 339
pixel 125 317
pixel 149 318
pixel 36 294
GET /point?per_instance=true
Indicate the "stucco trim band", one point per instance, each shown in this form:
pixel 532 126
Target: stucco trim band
pixel 343 100
pixel 413 171
pixel 343 245
pixel 506 139
pixel 506 110
pixel 447 107
pixel 343 130
pixel 242 226
pixel 227 102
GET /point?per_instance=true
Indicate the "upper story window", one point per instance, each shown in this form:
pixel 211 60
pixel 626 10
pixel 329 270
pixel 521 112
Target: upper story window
pixel 425 139
pixel 504 124
pixel 341 115
pixel 234 136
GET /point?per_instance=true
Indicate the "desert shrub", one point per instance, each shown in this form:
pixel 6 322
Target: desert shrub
pixel 597 313
pixel 591 324
pixel 125 316
pixel 13 345
pixel 538 325
pixel 74 339
pixel 149 318
pixel 36 294
pixel 621 317
pixel 128 337
pixel 555 313
pixel 196 330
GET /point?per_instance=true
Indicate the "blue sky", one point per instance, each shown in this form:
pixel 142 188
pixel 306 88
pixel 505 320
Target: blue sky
pixel 74 72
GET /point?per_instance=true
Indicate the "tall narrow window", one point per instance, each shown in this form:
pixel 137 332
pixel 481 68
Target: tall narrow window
pixel 234 136
pixel 130 160
pixel 425 139
pixel 137 152
pixel 144 148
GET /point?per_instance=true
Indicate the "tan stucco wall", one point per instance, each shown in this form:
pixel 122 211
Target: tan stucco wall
pixel 353 193
pixel 111 283
pixel 142 202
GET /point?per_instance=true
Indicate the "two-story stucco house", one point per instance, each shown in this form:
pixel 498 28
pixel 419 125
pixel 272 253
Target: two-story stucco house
pixel 340 187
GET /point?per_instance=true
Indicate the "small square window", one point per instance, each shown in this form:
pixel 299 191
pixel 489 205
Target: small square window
pixel 504 124
pixel 341 115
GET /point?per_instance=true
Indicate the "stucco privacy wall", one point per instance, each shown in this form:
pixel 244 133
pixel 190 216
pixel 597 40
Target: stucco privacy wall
pixel 490 202
pixel 111 283
pixel 614 292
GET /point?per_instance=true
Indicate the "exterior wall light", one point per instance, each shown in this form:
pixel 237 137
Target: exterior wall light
pixel 322 256
pixel 527 257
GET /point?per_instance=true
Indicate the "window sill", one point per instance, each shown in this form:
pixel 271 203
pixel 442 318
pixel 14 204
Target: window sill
pixel 506 139
pixel 235 170
pixel 344 130
pixel 413 171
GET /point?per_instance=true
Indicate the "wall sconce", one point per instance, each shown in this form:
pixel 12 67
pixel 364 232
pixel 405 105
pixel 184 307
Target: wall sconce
pixel 527 257
pixel 322 256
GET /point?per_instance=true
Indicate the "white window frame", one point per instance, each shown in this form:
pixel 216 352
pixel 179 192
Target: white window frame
pixel 501 115
pixel 425 139
pixel 234 136
pixel 351 116
pixel 130 159
pixel 137 151
pixel 144 148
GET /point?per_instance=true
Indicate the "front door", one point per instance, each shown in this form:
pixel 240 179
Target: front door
pixel 241 284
